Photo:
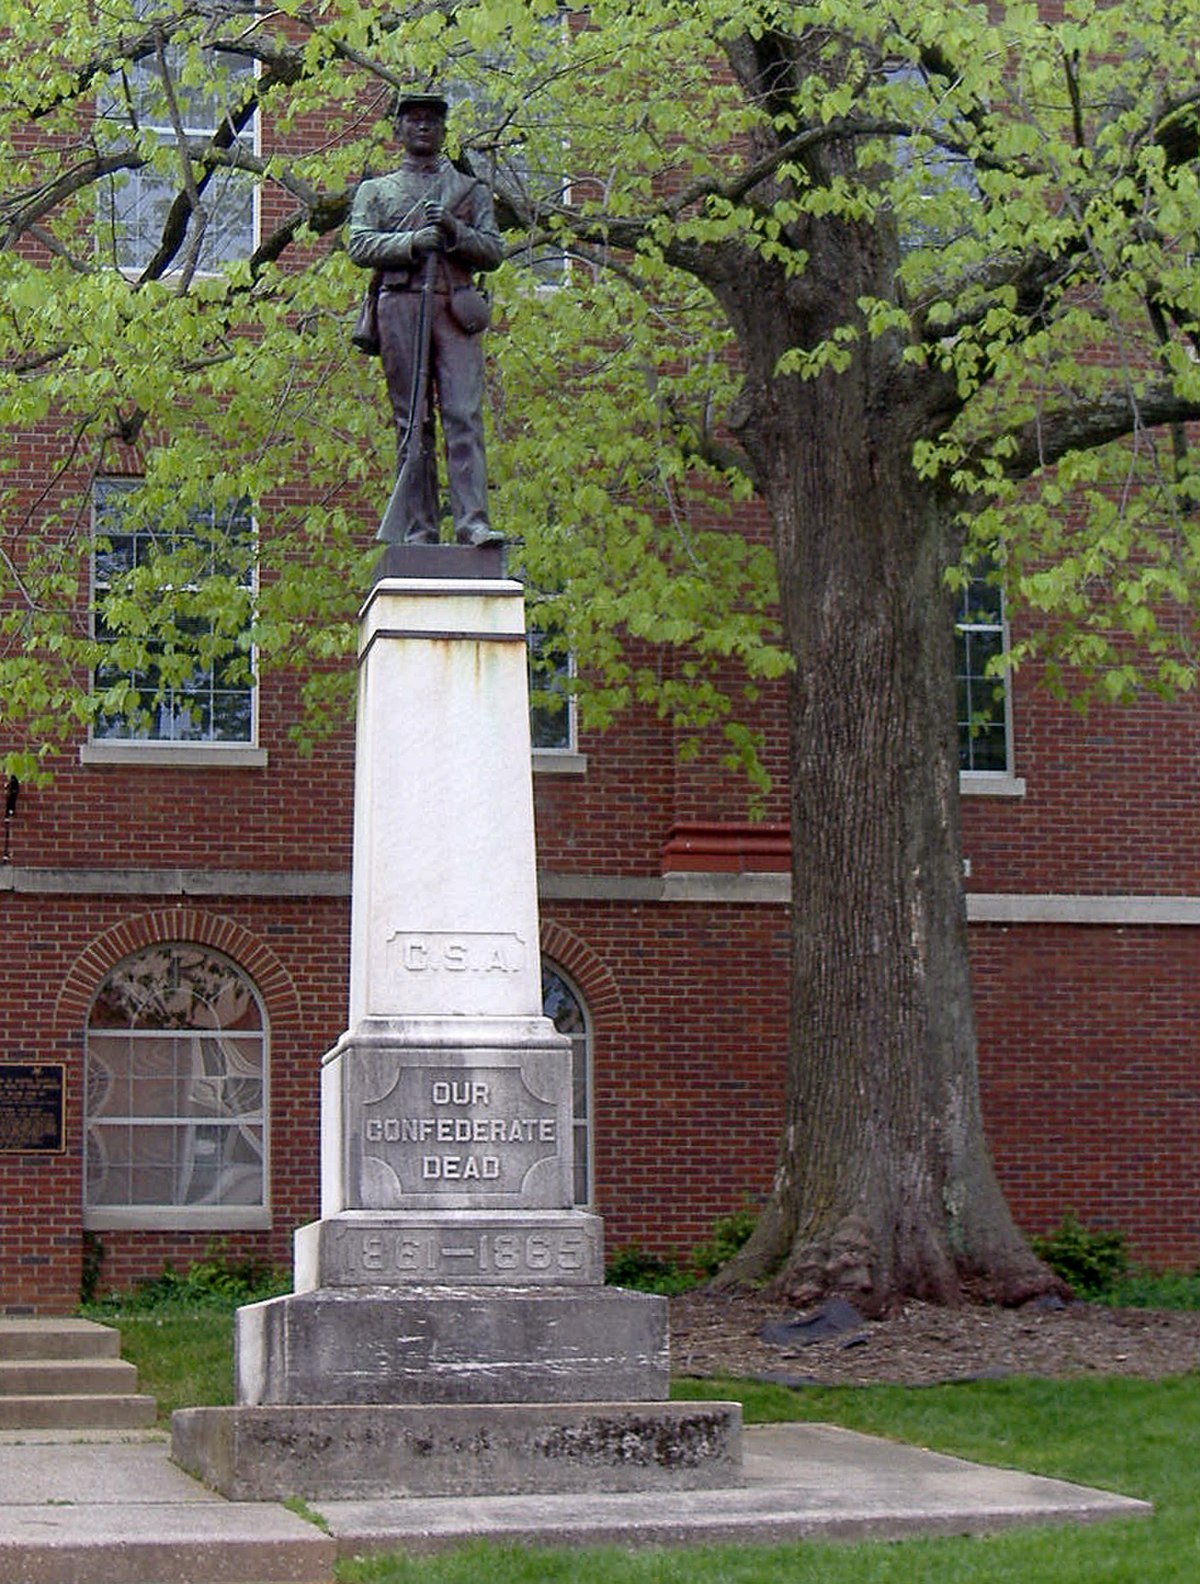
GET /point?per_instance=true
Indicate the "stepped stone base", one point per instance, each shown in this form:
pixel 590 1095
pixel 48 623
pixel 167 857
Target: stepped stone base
pixel 453 1345
pixel 343 1452
pixel 449 1333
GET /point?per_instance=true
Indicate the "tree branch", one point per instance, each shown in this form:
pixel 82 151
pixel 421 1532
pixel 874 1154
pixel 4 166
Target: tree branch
pixel 1086 425
pixel 325 212
pixel 21 214
pixel 191 191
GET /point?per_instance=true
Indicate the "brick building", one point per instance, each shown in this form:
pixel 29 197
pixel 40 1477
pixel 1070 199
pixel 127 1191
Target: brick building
pixel 225 870
pixel 176 923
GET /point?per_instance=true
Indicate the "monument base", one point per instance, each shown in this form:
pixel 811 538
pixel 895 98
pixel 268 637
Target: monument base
pixel 452 1345
pixel 338 1452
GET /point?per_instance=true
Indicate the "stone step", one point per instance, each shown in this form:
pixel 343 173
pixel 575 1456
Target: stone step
pixel 114 1412
pixel 43 1377
pixel 57 1339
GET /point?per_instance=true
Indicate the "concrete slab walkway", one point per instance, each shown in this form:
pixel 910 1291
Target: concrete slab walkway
pixel 88 1508
pixel 801 1482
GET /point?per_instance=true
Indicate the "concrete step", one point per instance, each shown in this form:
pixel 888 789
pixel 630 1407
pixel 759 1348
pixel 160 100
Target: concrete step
pixel 66 1374
pixel 113 1412
pixel 41 1377
pixel 115 1510
pixel 154 1545
pixel 57 1339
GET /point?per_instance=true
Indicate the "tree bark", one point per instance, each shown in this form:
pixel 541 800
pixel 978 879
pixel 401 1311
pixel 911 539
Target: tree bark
pixel 884 1187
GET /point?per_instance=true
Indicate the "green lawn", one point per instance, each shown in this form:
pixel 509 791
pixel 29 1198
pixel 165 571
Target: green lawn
pixel 1139 1437
pixel 183 1352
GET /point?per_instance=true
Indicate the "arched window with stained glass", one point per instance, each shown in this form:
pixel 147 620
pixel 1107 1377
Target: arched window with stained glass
pixel 564 1006
pixel 175 1094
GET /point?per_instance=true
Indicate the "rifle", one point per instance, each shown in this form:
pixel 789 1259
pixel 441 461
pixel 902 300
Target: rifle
pixel 393 528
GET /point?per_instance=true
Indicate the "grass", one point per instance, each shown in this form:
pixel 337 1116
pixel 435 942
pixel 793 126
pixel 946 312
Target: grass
pixel 183 1352
pixel 178 1328
pixel 1147 1289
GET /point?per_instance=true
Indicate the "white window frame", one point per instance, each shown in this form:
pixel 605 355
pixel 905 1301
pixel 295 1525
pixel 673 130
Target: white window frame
pixel 558 758
pixel 582 1126
pixel 991 783
pixel 192 752
pixel 567 713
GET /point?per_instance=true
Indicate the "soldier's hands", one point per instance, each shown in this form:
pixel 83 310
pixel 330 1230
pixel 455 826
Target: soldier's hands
pixel 436 214
pixel 427 240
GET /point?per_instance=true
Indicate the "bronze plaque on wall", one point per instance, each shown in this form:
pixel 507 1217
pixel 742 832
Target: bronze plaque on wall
pixel 32 1108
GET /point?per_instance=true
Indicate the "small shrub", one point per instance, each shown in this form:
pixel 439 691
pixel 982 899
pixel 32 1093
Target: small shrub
pixel 635 1267
pixel 1090 1262
pixel 217 1281
pixel 1155 1289
pixel 728 1235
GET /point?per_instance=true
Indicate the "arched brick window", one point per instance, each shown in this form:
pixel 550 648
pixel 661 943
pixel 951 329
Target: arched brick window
pixel 564 1006
pixel 175 1094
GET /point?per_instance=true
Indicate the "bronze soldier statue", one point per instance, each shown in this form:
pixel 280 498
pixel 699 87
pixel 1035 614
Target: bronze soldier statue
pixel 426 229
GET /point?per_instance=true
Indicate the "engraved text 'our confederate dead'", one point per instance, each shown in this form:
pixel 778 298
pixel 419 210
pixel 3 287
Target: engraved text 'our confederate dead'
pixel 449 1096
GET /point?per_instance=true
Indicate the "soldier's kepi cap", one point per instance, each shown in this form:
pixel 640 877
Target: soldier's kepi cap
pixel 414 101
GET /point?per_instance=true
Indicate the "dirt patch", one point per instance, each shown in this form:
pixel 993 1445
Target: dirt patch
pixel 719 1334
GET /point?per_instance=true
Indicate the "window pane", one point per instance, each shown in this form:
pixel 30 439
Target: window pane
pixel 141 202
pixel 134 117
pixel 220 1165
pixel 232 716
pixel 552 709
pixel 106 1168
pixel 215 702
pixel 989 749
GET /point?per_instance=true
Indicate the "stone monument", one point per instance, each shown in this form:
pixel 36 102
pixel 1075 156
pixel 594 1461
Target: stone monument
pixel 449 1331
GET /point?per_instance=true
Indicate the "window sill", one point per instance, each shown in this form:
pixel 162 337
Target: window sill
pixel 178 756
pixel 184 1218
pixel 559 761
pixel 990 783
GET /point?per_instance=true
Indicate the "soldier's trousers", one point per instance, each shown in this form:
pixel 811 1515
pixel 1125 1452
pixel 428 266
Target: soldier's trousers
pixel 456 376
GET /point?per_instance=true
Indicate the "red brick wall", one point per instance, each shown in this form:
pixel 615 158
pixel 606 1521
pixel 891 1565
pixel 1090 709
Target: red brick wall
pixel 1090 1075
pixel 1091 1078
pixel 1089 1055
pixel 689 1007
pixel 1109 804
pixel 297 815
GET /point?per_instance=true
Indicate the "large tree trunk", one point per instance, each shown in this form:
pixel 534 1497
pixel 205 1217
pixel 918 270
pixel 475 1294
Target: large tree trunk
pixel 884 1187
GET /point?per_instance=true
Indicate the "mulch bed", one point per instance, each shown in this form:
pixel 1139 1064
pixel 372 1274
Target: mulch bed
pixel 720 1334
